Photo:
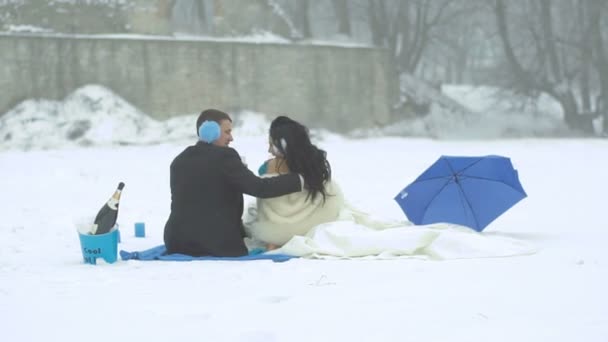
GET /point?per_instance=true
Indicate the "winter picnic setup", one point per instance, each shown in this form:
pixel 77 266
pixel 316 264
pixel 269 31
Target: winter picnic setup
pixel 301 210
pixel 304 171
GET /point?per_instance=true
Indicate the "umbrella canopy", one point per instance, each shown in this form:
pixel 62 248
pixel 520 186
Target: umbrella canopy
pixel 469 191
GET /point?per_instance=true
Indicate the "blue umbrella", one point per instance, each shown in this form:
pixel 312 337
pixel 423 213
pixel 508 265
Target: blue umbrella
pixel 469 191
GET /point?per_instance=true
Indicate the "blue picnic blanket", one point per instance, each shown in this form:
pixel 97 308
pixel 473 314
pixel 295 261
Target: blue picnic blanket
pixel 160 253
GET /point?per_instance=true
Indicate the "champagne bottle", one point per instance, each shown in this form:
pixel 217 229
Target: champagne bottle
pixel 106 217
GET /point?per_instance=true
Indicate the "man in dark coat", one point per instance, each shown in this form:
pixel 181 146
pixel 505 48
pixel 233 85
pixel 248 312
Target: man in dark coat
pixel 208 180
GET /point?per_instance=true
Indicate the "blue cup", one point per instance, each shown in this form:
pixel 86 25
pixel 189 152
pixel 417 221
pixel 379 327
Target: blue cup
pixel 99 246
pixel 140 229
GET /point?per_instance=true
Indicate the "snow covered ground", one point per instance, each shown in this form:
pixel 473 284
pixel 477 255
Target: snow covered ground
pixel 49 181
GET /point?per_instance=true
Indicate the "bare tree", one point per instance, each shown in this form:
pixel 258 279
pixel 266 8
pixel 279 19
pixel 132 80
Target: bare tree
pixel 586 56
pixel 343 16
pixel 461 41
pixel 596 9
pixel 405 27
pixel 303 18
pixel 378 22
pixel 551 58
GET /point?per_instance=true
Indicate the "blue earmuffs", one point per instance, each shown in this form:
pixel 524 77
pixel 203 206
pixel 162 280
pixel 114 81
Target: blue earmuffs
pixel 209 131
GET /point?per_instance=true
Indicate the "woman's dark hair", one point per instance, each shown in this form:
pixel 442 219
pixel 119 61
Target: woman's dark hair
pixel 293 141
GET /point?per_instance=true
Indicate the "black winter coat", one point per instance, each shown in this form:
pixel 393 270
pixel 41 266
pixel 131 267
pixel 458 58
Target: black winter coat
pixel 207 186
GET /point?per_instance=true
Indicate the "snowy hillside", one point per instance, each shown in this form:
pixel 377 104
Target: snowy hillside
pixel 467 112
pixel 95 116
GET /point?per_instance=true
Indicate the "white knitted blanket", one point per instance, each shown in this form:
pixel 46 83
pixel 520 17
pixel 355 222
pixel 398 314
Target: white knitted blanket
pixel 357 235
pixel 334 229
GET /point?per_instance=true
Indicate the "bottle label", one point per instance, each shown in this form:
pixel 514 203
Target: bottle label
pixel 113 203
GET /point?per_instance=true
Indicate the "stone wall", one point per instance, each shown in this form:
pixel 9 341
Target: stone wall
pixel 340 88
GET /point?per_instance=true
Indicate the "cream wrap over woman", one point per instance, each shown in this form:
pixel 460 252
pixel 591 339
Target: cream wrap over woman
pixel 281 218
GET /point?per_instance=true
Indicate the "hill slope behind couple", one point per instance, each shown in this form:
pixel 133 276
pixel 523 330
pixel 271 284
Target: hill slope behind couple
pixel 208 179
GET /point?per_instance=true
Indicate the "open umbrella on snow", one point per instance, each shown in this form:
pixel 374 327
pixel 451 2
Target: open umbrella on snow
pixel 469 191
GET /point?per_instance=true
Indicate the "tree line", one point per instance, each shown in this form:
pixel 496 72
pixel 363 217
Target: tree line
pixel 533 47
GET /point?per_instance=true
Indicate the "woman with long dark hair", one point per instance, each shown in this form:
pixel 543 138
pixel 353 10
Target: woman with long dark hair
pixel 280 218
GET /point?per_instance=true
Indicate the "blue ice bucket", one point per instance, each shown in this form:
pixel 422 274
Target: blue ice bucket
pixel 100 246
